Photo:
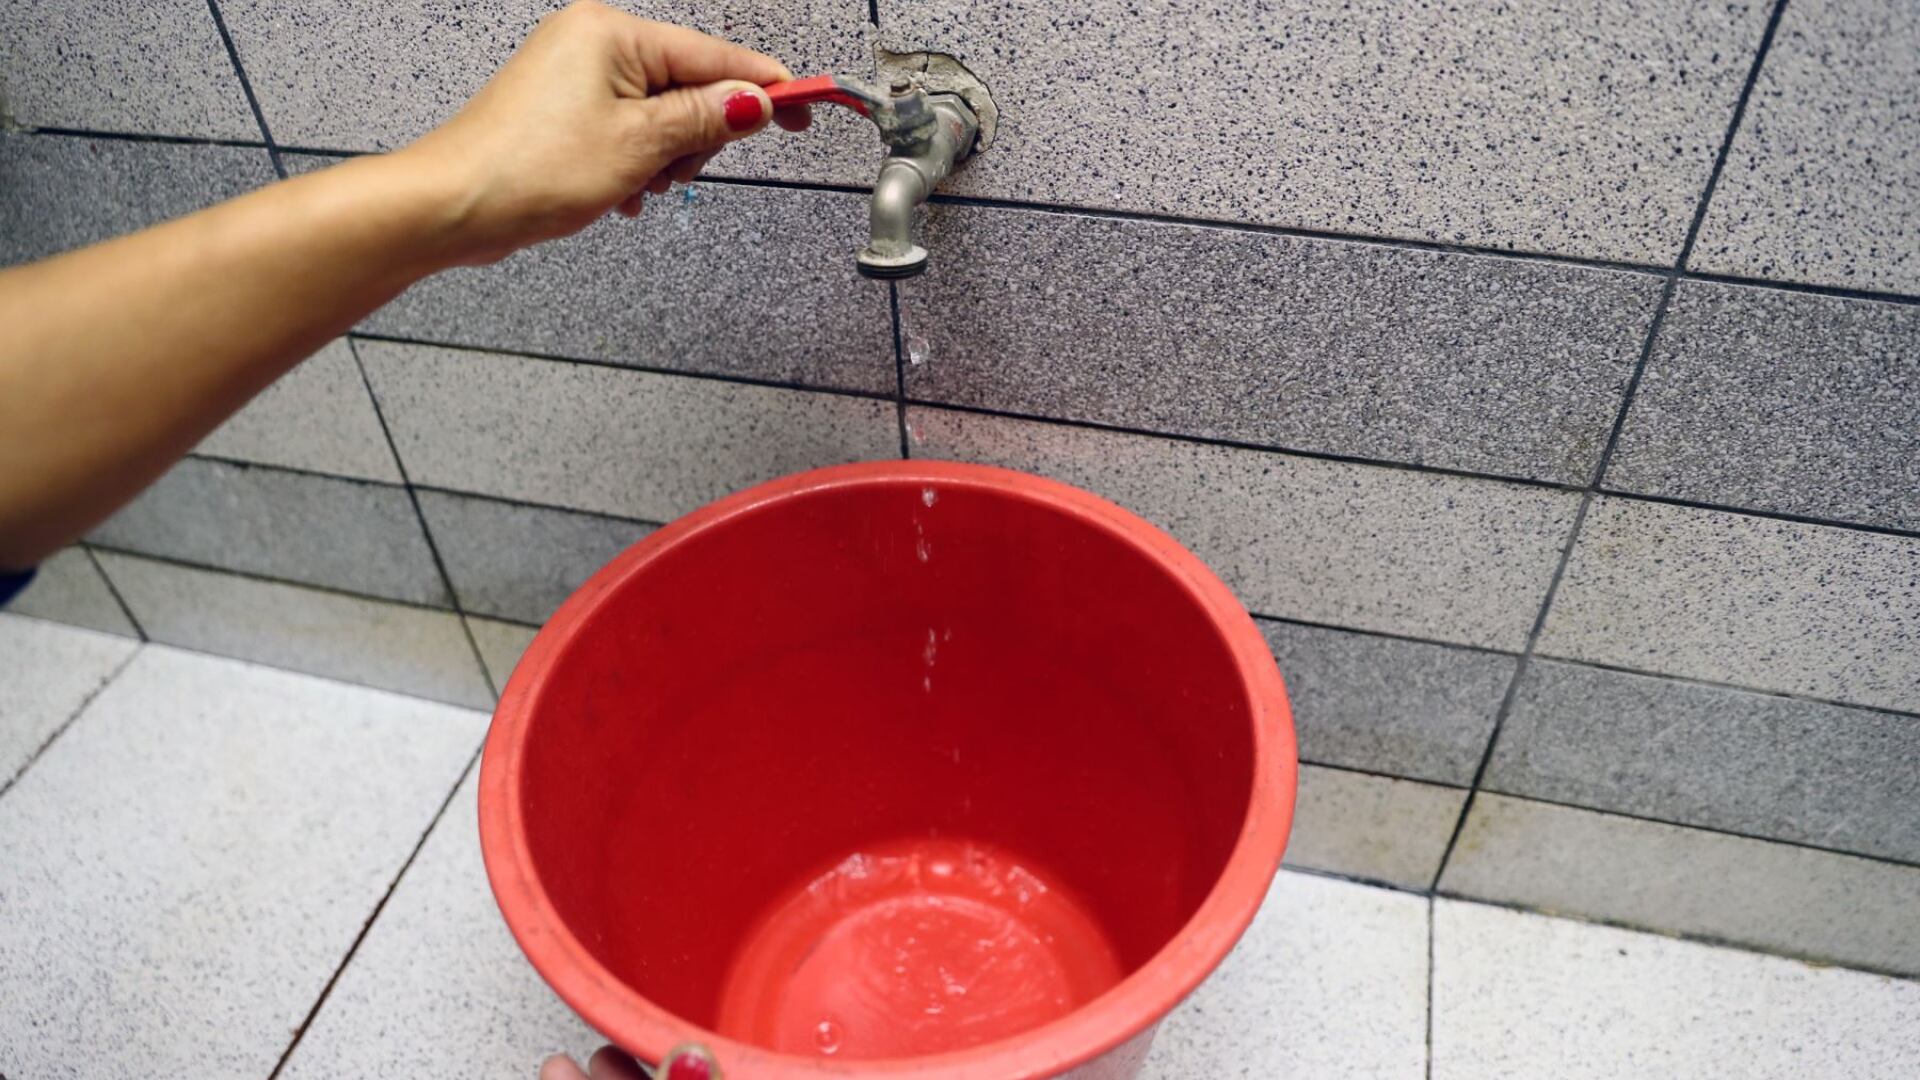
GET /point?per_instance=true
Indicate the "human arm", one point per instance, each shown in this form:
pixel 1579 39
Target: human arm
pixel 117 359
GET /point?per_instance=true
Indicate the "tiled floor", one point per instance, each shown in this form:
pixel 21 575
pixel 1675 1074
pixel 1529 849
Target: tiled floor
pixel 188 861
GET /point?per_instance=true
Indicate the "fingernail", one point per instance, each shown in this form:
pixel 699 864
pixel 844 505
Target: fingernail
pixel 744 111
pixel 689 1066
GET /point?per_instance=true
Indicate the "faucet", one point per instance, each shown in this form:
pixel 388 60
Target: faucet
pixel 925 135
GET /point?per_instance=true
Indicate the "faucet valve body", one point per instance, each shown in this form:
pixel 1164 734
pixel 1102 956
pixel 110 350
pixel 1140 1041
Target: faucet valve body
pixel 925 134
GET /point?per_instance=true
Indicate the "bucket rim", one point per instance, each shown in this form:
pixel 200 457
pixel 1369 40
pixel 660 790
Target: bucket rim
pixel 1138 1002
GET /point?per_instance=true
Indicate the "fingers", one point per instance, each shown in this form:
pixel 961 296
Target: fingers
pixel 630 206
pixel 793 117
pixel 695 120
pixel 685 169
pixel 679 56
pixel 560 1067
pixel 610 1064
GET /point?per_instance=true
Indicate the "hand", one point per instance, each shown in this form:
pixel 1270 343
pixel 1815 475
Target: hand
pixel 685 1063
pixel 596 108
pixel 606 1064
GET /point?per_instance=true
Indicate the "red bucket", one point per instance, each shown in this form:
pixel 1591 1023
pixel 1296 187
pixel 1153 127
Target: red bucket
pixel 904 769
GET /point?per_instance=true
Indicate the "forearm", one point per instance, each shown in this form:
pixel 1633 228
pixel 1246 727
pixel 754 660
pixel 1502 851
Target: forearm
pixel 118 358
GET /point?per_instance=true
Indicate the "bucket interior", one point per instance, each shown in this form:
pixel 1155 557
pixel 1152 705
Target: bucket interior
pixel 889 769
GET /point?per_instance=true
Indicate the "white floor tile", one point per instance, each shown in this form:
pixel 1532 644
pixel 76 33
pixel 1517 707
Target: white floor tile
pixel 183 870
pixel 439 988
pixel 1330 982
pixel 1522 995
pixel 47 672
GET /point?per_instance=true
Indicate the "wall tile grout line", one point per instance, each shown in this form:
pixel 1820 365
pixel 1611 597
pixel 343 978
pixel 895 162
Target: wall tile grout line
pixel 899 369
pixel 1770 515
pixel 113 590
pixel 426 532
pixel 1613 438
pixel 1680 935
pixel 85 703
pixel 248 575
pixel 648 369
pixel 246 88
pixel 373 916
pixel 133 136
pixel 1329 765
pixel 1236 444
pixel 941 198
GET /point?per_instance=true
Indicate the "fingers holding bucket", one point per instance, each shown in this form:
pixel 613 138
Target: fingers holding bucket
pixel 691 1062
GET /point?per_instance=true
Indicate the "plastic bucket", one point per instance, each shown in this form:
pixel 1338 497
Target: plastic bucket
pixel 904 769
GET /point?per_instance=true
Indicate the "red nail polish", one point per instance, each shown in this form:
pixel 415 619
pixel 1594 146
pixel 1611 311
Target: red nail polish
pixel 743 110
pixel 692 1066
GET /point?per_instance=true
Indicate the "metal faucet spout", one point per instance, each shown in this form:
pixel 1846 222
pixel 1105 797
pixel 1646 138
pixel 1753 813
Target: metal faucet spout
pixel 907 177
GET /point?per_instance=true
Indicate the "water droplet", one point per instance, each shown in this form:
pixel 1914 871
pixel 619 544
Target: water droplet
pixel 918 351
pixel 922 550
pixel 689 193
pixel 929 496
pixel 826 1036
pixel 926 684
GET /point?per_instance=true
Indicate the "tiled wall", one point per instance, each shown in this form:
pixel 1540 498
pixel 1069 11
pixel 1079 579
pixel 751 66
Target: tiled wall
pixel 1546 378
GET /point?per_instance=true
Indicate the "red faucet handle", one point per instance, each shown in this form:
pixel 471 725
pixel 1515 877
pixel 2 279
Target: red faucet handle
pixel 820 89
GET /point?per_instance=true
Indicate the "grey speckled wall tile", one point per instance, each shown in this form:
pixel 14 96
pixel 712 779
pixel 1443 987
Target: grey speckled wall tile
pixel 1726 759
pixel 318 417
pixel 520 562
pixel 1386 705
pixel 340 75
pixel 69 589
pixel 343 534
pixel 1584 128
pixel 1468 362
pixel 1372 827
pixel 149 67
pixel 1780 401
pixel 391 646
pixel 1364 546
pixel 1752 892
pixel 500 644
pixel 1775 605
pixel 628 443
pixel 1822 184
pixel 60 191
pixel 718 278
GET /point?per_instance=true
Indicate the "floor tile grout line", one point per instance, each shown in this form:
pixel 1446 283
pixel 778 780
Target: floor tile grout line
pixel 1672 275
pixel 373 916
pixel 113 590
pixel 1689 936
pixel 246 88
pixel 899 367
pixel 72 718
pixel 426 531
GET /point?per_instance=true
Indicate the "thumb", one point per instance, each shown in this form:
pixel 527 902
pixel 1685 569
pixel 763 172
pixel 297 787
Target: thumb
pixel 700 119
